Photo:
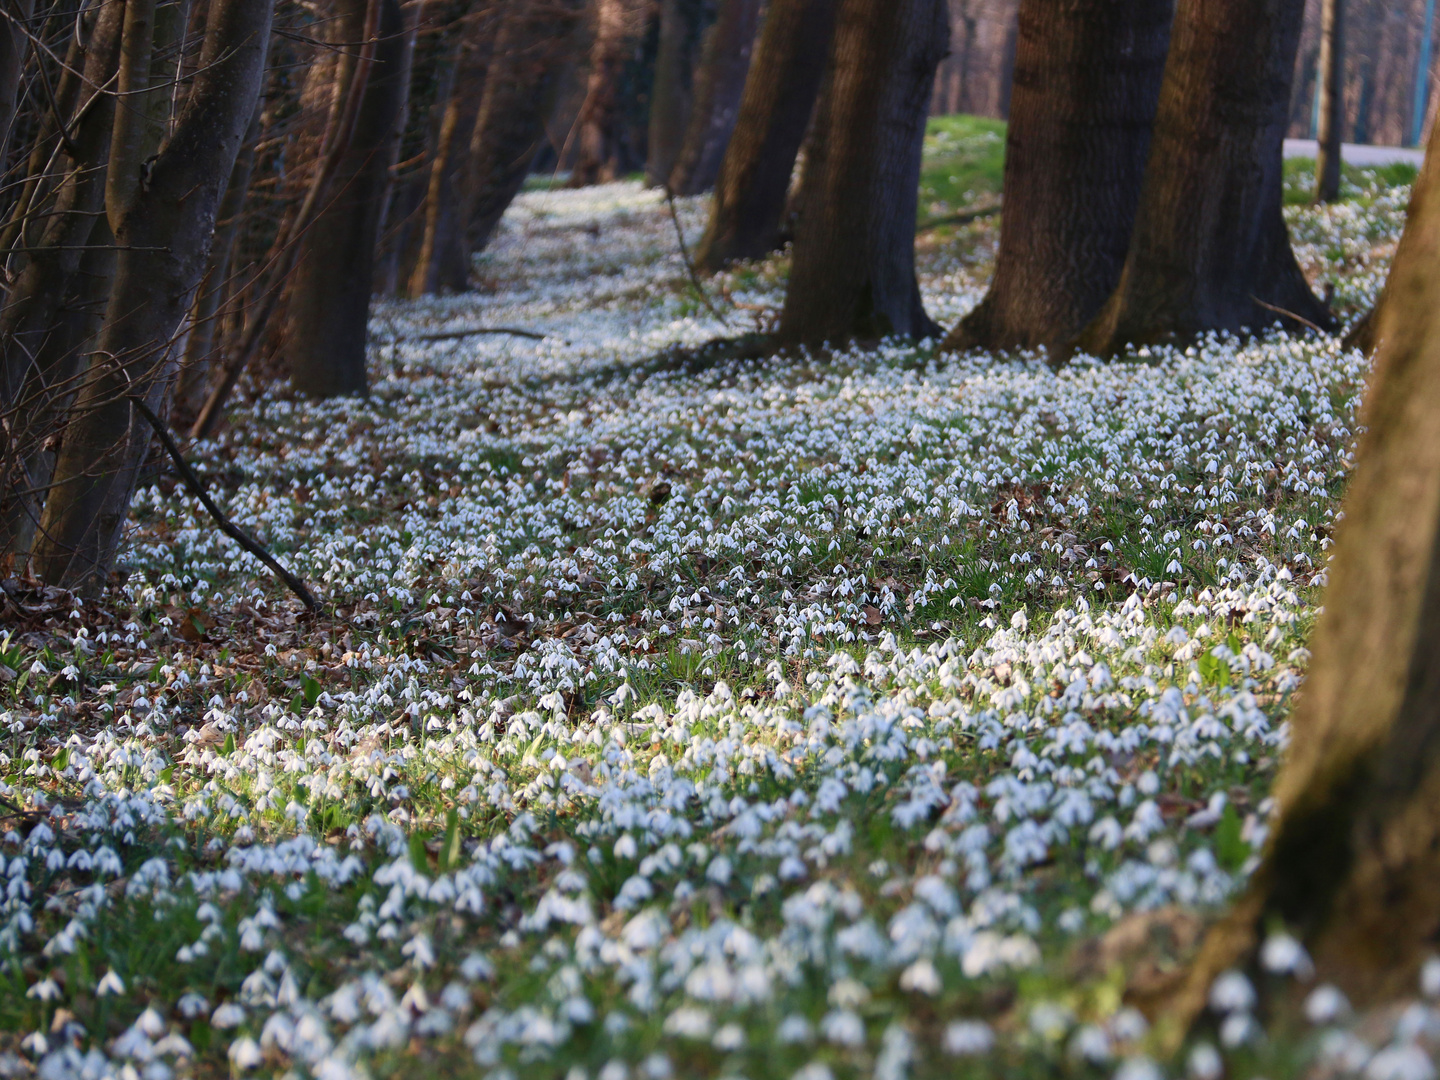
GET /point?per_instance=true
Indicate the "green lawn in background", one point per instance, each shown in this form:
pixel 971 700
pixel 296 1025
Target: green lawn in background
pixel 963 166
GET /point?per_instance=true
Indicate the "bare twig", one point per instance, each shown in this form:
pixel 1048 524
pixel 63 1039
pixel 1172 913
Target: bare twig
pixel 228 527
pixel 1287 314
pixel 685 254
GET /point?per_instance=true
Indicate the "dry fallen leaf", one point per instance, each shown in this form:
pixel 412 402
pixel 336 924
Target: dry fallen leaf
pixel 872 615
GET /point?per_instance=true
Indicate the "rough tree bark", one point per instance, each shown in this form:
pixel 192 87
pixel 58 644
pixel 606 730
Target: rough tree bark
pixel 1209 249
pixel 163 245
pixel 682 29
pixel 775 110
pixel 327 312
pixel 443 262
pixel 1332 100
pixel 13 47
pixel 719 84
pixel 1087 79
pixel 1353 863
pixel 853 272
pixel 534 43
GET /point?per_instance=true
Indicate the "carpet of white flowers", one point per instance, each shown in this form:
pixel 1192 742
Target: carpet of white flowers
pixel 676 713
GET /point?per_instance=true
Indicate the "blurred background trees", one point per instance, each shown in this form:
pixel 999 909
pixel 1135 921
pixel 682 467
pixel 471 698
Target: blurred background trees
pixel 201 197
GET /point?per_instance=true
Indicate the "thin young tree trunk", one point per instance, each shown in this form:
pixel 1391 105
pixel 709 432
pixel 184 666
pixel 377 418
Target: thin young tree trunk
pixel 853 271
pixel 534 44
pixel 682 26
pixel 1087 79
pixel 164 244
pixel 443 263
pixel 327 312
pixel 214 288
pixel 719 85
pixel 1353 862
pixel 1332 100
pixel 1210 249
pixel 775 111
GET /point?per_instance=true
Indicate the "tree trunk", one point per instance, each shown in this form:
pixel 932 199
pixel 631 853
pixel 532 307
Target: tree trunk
pixel 853 273
pixel 13 47
pixel 443 263
pixel 682 28
pixel 601 157
pixel 163 245
pixel 327 312
pixel 1332 100
pixel 532 49
pixel 1353 863
pixel 775 111
pixel 724 62
pixel 1087 79
pixel 1210 250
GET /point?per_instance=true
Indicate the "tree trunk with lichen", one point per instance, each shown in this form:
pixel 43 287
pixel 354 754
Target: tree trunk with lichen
pixel 1210 250
pixel 853 272
pixel 1087 79
pixel 1353 863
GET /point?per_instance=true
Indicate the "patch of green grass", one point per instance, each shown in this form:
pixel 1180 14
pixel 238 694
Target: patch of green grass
pixel 1300 180
pixel 963 165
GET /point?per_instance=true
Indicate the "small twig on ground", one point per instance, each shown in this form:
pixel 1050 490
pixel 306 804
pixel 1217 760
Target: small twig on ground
pixel 964 217
pixel 469 331
pixel 1287 314
pixel 685 254
pixel 228 527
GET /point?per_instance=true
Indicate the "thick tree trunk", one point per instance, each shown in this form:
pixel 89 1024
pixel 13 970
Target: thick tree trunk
pixel 13 47
pixel 164 243
pixel 533 46
pixel 1087 80
pixel 1353 864
pixel 724 62
pixel 327 312
pixel 775 111
pixel 443 262
pixel 1332 100
pixel 602 155
pixel 1210 250
pixel 682 28
pixel 853 273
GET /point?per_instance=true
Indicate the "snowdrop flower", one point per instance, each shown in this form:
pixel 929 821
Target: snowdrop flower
pixel 969 1038
pixel 1326 1004
pixel 1407 1062
pixel 1283 955
pixel 921 978
pixel 1231 992
pixel 110 984
pixel 227 1015
pixel 245 1053
pixel 794 1029
pixel 1204 1062
pixel 1138 1068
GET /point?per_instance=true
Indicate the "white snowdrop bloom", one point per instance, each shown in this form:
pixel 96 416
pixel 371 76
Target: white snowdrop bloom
pixel 245 1053
pixel 1347 1051
pixel 150 1022
pixel 192 1005
pixel 1231 992
pixel 719 870
pixel 1430 977
pixel 815 1070
pixel 46 989
pixel 110 984
pixel 656 1066
pixel 1050 1020
pixel 1283 955
pixel 843 1027
pixel 227 1015
pixel 921 978
pixel 1128 1024
pixel 1237 1029
pixel 848 993
pixel 688 1022
pixel 794 1029
pixel 729 1037
pixel 1326 1004
pixel 1138 1068
pixel 1090 1043
pixel 1204 1062
pixel 1404 1062
pixel 969 1038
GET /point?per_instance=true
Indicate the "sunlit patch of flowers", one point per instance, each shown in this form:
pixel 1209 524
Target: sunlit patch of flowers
pixel 678 715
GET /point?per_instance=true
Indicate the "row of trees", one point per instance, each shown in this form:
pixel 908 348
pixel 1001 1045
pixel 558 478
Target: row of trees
pixel 183 184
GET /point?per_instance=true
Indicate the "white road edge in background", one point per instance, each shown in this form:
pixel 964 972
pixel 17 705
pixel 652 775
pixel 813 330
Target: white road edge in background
pixel 1356 154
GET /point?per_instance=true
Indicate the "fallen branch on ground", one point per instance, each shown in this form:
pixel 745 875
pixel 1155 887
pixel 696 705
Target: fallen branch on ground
pixel 469 331
pixel 228 527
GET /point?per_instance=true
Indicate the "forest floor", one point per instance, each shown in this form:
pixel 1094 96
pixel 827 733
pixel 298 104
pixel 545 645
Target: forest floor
pixel 673 714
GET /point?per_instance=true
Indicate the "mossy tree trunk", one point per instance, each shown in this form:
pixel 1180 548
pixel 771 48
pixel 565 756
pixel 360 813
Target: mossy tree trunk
pixel 775 111
pixel 1087 79
pixel 853 273
pixel 1353 863
pixel 1209 250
